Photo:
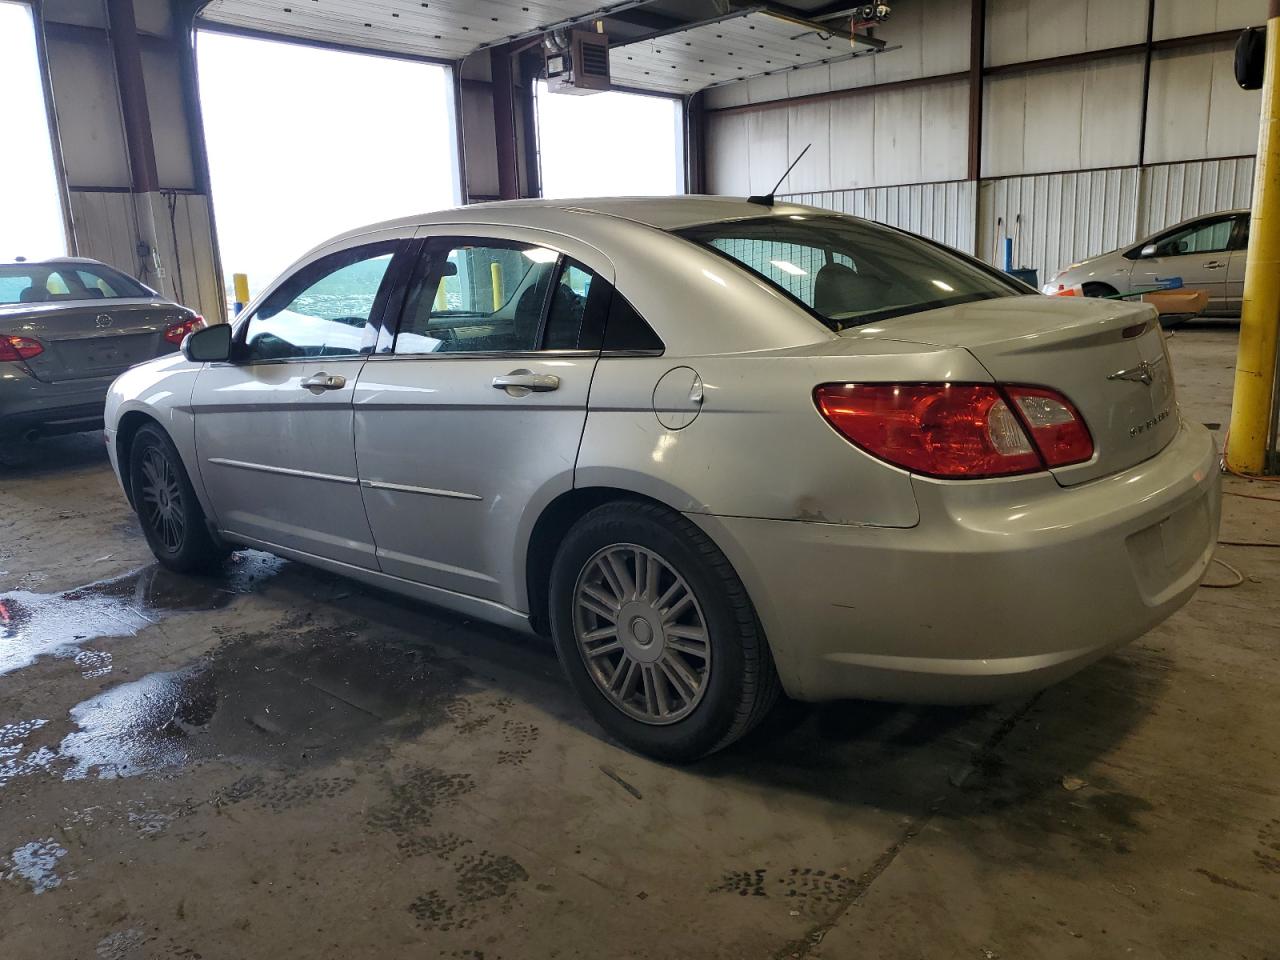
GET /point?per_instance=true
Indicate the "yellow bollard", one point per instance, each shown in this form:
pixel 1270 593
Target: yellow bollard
pixel 495 272
pixel 241 283
pixel 442 299
pixel 1260 316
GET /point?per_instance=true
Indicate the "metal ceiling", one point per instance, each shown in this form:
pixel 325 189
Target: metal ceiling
pixel 441 29
pixel 745 45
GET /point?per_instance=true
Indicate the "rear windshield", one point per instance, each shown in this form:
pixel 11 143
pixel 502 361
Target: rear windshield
pixel 52 282
pixel 849 272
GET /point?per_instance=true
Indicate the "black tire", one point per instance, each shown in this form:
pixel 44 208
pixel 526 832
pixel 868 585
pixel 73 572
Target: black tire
pixel 1099 290
pixel 739 682
pixel 168 510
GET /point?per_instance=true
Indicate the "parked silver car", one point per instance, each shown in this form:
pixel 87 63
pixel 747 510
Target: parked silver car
pixel 1207 253
pixel 714 448
pixel 68 327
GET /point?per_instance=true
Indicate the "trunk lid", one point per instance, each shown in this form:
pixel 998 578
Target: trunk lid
pixel 1107 357
pixel 92 339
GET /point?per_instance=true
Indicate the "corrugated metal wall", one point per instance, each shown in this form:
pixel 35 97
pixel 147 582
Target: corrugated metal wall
pixel 1175 191
pixel 941 211
pixel 1058 218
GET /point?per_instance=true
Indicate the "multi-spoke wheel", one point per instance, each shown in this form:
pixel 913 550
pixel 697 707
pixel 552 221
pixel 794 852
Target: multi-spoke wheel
pixel 167 508
pixel 656 632
pixel 642 634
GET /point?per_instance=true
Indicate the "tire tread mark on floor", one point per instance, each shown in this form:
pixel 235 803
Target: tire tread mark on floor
pixel 796 949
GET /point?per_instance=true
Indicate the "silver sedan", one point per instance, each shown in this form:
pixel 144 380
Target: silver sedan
pixel 1205 253
pixel 716 449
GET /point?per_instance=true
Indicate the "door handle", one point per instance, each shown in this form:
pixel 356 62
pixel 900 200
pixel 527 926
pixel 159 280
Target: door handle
pixel 324 381
pixel 1214 265
pixel 521 383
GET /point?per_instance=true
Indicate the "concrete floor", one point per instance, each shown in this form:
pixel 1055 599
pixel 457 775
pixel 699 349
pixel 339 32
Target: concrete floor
pixel 281 763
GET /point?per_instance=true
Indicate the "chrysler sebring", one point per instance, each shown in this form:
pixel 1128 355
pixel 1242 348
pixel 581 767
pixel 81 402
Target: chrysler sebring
pixel 716 449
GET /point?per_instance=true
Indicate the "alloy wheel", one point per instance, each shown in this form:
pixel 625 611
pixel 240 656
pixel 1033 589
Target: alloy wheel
pixel 641 634
pixel 162 499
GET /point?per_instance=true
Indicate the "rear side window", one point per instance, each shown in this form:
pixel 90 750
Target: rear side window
pixel 850 272
pixel 46 283
pixel 324 309
pixel 626 330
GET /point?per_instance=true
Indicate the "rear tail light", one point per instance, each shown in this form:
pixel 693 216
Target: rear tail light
pixel 957 431
pixel 19 348
pixel 178 332
pixel 1056 427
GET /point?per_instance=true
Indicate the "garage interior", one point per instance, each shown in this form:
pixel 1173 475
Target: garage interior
pixel 282 762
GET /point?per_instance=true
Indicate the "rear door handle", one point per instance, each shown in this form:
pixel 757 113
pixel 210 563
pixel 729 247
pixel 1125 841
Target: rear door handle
pixel 324 381
pixel 1214 265
pixel 521 383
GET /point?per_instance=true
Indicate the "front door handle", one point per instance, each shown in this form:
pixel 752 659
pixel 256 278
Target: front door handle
pixel 324 381
pixel 1214 265
pixel 521 383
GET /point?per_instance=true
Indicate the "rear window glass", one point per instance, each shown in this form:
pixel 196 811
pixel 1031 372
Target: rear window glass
pixel 53 282
pixel 849 272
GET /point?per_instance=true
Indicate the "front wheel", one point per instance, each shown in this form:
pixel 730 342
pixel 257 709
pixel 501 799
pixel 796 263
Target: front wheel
pixel 657 634
pixel 166 504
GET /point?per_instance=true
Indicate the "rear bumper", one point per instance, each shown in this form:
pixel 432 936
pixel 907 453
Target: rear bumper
pixel 1003 588
pixel 28 404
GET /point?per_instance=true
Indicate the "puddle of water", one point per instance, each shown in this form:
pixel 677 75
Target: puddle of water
pixel 36 863
pixel 33 625
pixel 302 692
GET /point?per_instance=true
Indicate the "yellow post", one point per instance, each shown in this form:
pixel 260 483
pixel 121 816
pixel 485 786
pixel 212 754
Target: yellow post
pixel 442 299
pixel 241 283
pixel 495 272
pixel 1260 316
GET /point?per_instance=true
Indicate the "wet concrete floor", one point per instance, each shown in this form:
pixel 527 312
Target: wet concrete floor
pixel 278 762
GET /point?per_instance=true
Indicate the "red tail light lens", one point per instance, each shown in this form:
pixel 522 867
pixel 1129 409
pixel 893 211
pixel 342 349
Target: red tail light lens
pixel 955 430
pixel 178 332
pixel 937 429
pixel 1056 427
pixel 19 348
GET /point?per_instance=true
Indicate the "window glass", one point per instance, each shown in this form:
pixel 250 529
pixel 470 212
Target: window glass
pixel 569 300
pixel 626 329
pixel 324 309
pixel 1211 237
pixel 485 297
pixel 850 272
pixel 41 283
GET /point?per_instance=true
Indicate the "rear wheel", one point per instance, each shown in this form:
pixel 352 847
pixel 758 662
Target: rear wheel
pixel 657 634
pixel 166 504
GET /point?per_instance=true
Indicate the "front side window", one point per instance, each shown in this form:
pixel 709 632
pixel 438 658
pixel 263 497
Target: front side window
pixel 46 283
pixel 850 272
pixel 1211 237
pixel 323 310
pixel 478 297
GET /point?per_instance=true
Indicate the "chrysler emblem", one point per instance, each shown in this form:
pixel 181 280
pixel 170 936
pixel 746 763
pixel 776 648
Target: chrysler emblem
pixel 102 321
pixel 1139 374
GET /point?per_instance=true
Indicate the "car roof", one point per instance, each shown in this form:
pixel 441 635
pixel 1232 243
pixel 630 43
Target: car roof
pixel 664 213
pixel 51 262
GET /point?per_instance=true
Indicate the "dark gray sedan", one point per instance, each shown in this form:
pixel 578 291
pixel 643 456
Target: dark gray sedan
pixel 68 327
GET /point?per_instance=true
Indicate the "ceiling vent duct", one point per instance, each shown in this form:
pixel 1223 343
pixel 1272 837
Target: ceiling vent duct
pixel 577 61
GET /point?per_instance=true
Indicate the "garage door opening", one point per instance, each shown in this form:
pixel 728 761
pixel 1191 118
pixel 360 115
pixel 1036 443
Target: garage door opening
pixel 610 144
pixel 306 142
pixel 32 225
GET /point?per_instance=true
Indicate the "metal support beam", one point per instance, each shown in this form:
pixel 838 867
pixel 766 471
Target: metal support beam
pixel 504 122
pixel 977 62
pixel 1146 83
pixel 1251 404
pixel 126 52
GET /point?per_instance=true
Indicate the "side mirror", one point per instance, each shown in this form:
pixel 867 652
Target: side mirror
pixel 210 345
pixel 1149 250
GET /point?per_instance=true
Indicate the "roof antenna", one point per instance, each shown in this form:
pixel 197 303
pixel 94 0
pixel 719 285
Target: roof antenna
pixel 767 199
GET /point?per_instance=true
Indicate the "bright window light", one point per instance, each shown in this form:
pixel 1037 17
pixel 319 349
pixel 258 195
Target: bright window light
pixel 540 254
pixel 942 285
pixel 786 266
pixel 609 144
pixel 31 223
pixel 305 143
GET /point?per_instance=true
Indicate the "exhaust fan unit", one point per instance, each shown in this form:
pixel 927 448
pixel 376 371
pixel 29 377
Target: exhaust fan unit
pixel 577 61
